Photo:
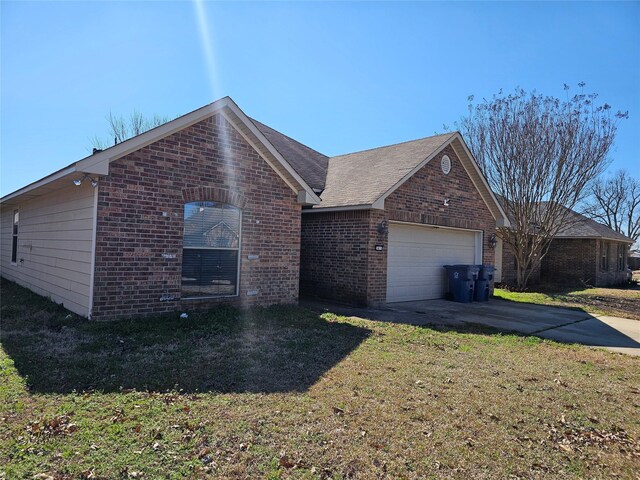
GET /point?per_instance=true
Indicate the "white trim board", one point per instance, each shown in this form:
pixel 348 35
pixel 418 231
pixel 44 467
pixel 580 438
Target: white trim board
pixel 98 163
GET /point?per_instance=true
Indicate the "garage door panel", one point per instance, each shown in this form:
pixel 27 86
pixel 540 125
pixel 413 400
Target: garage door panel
pixel 416 257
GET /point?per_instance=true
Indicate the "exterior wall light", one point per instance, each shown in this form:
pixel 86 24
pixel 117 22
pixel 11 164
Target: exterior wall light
pixel 78 181
pixel 383 228
pixel 493 241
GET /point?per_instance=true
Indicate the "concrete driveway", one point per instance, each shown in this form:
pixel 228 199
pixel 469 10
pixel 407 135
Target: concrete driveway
pixel 560 324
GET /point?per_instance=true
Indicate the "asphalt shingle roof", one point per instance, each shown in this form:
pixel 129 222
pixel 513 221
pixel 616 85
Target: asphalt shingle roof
pixel 361 178
pixel 307 162
pixel 353 179
pixel 577 225
pixel 580 226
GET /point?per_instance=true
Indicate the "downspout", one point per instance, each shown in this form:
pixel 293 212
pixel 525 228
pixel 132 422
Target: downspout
pixel 93 250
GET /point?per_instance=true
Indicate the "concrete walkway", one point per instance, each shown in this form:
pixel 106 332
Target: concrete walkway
pixel 555 323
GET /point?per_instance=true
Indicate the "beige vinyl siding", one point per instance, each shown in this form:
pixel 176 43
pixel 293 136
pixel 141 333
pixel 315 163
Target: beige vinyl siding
pixel 55 241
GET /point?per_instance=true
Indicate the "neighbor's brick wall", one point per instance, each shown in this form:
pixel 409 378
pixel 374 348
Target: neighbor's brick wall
pixel 362 277
pixel 611 276
pixel 571 260
pixel 509 275
pixel 140 219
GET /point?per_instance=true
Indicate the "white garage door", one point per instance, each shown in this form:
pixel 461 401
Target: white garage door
pixel 416 256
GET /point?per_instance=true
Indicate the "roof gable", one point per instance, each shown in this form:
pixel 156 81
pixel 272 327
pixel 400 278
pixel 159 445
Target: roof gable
pixel 98 163
pixel 361 178
pixel 365 179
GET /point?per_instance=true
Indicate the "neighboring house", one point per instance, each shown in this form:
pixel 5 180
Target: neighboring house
pixel 216 207
pixel 584 252
pixel 634 260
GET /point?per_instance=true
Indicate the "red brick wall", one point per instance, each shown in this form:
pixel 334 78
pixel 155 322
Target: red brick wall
pixel 140 222
pixel 419 200
pixel 334 251
pixel 570 260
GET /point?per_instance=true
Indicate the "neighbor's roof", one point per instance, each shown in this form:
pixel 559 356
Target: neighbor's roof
pixel 310 164
pixel 579 226
pixel 362 178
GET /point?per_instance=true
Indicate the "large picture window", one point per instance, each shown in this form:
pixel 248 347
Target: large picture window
pixel 14 237
pixel 211 249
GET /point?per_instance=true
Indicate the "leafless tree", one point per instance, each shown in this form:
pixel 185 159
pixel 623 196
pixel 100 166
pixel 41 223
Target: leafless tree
pixel 540 154
pixel 121 128
pixel 615 202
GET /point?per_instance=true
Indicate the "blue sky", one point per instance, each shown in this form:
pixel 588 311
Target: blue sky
pixel 339 77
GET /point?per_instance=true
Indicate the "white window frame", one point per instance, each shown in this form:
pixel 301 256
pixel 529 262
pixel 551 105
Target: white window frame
pixel 239 250
pixel 604 256
pixel 15 230
pixel 620 259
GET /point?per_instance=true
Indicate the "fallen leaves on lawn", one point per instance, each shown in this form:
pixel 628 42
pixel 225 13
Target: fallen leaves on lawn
pixel 58 425
pixel 286 462
pixel 118 416
pixel 570 438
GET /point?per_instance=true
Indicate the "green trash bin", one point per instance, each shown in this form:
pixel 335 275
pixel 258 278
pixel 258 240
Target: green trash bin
pixel 461 279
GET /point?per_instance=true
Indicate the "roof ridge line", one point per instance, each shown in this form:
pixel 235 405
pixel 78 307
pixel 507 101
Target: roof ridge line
pixel 393 144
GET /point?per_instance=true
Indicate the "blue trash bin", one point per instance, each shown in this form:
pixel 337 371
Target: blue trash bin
pixel 485 274
pixel 461 279
pixel 481 291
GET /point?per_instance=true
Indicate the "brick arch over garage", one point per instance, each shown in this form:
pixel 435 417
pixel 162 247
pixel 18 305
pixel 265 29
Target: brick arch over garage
pixel 215 194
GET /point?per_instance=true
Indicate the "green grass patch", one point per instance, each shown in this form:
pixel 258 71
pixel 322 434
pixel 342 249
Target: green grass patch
pixel 285 392
pixel 618 302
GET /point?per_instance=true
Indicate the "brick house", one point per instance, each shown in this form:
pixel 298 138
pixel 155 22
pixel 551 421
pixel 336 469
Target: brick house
pixel 217 207
pixel 392 217
pixel 584 252
pixel 106 235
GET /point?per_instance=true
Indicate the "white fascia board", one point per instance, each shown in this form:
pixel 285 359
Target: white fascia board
pixel 99 162
pixel 500 222
pixel 337 209
pixel 305 199
pixel 379 204
pixel 255 147
pixel 40 183
pixel 269 146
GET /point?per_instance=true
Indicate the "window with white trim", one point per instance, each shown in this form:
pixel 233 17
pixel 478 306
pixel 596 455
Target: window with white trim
pixel 604 256
pixel 14 237
pixel 621 252
pixel 211 250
